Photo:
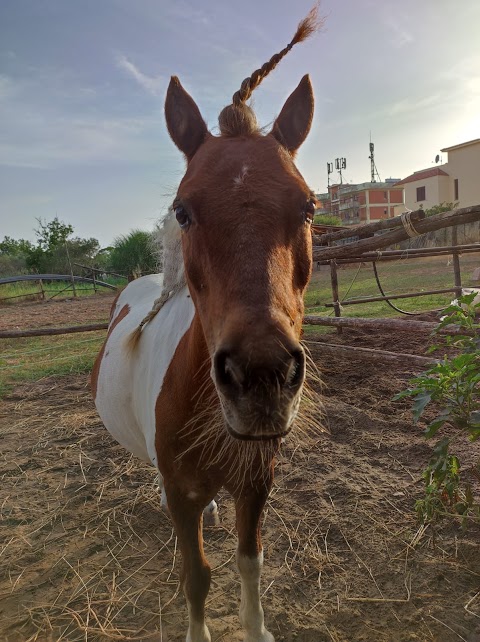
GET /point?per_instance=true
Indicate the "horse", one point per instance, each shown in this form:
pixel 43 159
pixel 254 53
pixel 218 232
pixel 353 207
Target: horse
pixel 203 369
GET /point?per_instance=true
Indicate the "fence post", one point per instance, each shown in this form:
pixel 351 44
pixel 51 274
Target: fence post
pixel 336 302
pixel 456 264
pixel 71 271
pixel 42 290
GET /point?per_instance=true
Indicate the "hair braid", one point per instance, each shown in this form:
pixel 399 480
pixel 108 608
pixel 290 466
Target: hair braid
pixel 306 28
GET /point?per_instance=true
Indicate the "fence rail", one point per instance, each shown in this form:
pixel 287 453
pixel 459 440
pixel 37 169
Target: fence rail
pixel 51 277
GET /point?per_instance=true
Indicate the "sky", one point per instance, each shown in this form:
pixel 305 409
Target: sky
pixel 82 86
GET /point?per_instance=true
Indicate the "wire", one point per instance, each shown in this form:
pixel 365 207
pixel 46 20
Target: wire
pixel 56 345
pixel 387 301
pixel 351 284
pixel 22 365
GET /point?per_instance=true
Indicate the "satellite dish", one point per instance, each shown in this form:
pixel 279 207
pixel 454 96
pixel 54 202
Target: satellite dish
pixel 437 158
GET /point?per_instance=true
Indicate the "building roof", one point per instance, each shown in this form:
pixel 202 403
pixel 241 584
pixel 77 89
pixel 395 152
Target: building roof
pixel 470 142
pixel 360 187
pixel 423 174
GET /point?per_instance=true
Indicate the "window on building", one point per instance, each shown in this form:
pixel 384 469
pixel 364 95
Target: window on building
pixel 421 193
pixel 455 187
pixel 385 195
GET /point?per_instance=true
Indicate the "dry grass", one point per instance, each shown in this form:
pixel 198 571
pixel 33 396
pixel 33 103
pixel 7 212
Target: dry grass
pixel 87 553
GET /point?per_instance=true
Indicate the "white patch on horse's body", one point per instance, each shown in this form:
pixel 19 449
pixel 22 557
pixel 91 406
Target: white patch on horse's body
pixel 251 611
pixel 240 179
pixel 128 387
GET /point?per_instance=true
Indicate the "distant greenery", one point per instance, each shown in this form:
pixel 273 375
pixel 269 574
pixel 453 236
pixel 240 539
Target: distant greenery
pixel 55 249
pixel 326 219
pixel 442 207
pixel 49 253
pixel 134 254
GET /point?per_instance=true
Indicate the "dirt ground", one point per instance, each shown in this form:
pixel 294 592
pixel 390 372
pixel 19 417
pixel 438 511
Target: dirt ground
pixel 87 554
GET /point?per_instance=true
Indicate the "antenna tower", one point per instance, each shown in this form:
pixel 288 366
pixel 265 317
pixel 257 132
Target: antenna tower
pixel 373 167
pixel 329 171
pixel 340 163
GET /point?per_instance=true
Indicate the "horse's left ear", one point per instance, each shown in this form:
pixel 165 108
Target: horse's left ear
pixel 294 122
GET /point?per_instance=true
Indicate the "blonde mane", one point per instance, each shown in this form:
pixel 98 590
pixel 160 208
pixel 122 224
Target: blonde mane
pixel 168 238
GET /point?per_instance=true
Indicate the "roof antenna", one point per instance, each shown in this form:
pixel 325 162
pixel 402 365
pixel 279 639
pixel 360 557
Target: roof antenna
pixel 373 167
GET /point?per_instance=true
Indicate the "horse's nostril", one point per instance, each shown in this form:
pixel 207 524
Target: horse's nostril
pixel 296 371
pixel 227 372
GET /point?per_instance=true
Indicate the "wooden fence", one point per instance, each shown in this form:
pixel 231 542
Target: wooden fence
pixel 367 243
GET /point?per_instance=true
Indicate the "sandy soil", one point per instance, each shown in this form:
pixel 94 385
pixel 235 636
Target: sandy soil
pixel 87 554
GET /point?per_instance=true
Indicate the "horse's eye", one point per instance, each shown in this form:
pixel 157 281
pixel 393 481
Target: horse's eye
pixel 309 211
pixel 182 217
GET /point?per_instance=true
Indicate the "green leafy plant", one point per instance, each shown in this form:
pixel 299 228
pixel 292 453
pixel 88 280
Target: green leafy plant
pixel 327 219
pixel 453 385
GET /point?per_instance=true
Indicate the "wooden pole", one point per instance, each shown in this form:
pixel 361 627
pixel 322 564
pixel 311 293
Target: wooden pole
pixel 371 299
pixel 394 325
pixel 367 229
pixel 41 289
pixel 421 250
pixel 457 275
pixel 375 356
pixel 336 302
pixel 40 332
pixel 71 270
pixel 435 222
pixel 385 256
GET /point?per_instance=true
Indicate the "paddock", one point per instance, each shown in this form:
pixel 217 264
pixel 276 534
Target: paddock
pixel 87 553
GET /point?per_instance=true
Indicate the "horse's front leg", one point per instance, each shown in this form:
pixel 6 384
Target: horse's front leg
pixel 195 575
pixel 249 504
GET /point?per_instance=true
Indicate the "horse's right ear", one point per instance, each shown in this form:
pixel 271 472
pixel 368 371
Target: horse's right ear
pixel 185 124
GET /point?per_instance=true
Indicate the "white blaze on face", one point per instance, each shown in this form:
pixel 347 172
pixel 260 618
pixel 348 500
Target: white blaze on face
pixel 240 179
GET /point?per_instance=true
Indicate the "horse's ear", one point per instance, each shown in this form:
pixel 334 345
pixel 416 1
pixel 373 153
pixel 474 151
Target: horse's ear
pixel 294 122
pixel 185 124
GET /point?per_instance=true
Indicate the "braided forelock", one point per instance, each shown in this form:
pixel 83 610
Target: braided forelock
pixel 238 118
pixel 308 26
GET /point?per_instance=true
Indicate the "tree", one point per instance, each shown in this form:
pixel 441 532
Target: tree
pixel 13 256
pixel 49 254
pixel 12 247
pixel 53 234
pixel 134 254
pixel 326 219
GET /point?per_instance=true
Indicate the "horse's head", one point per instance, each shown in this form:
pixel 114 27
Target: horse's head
pixel 245 214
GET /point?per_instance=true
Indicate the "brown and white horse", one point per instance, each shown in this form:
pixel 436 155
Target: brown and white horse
pixel 202 370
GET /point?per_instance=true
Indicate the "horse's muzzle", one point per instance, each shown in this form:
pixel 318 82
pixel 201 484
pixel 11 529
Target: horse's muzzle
pixel 259 394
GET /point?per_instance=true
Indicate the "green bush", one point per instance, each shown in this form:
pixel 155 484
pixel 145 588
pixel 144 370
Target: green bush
pixel 133 254
pixel 454 385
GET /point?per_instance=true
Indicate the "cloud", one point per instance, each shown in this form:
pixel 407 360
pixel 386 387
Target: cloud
pixel 51 120
pixel 53 140
pixel 151 84
pixel 7 88
pixel 399 36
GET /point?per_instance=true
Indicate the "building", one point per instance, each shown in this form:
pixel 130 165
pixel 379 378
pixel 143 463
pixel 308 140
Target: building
pixel 464 169
pixel 365 202
pixel 426 188
pixel 323 203
pixel 457 181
